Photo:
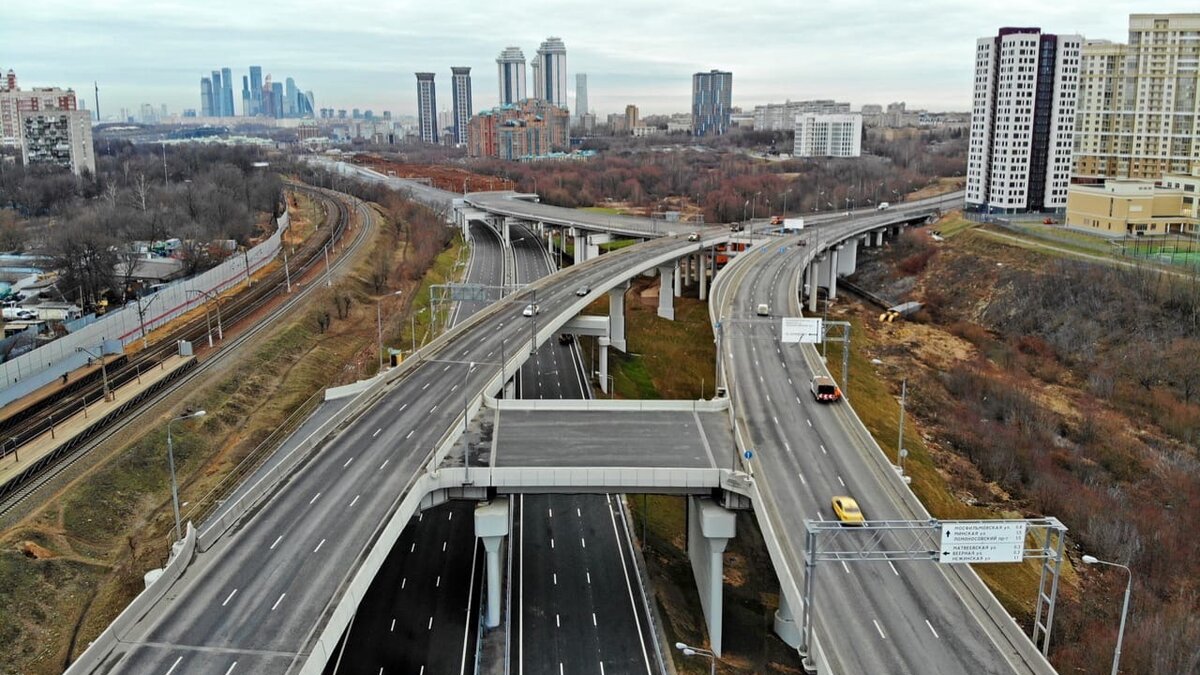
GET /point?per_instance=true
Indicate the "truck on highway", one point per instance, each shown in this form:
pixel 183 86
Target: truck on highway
pixel 793 224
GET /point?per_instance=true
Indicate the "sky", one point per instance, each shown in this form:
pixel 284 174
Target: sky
pixel 363 55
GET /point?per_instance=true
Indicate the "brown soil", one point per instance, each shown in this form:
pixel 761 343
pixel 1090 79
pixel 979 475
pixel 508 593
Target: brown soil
pixel 449 178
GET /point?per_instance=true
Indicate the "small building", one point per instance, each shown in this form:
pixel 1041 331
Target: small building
pixel 1121 207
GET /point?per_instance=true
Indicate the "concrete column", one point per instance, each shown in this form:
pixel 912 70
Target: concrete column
pixel 666 301
pixel 616 315
pixel 491 525
pixel 581 246
pixel 603 364
pixel 785 623
pixel 677 280
pixel 709 529
pixel 505 231
pixel 878 237
pixel 848 257
pixel 703 276
pixel 812 286
pixel 593 243
pixel 833 271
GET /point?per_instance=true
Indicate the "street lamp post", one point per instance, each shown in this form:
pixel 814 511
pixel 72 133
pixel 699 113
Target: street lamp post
pixel 379 324
pixel 103 370
pixel 1093 560
pixel 697 651
pixel 785 197
pixel 171 463
pixel 216 301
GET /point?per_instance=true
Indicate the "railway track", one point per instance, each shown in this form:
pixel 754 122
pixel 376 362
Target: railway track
pixel 338 215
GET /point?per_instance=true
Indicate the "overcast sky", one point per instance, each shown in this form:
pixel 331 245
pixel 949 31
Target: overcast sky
pixel 364 54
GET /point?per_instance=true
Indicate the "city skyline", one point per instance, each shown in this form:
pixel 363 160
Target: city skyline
pixel 922 56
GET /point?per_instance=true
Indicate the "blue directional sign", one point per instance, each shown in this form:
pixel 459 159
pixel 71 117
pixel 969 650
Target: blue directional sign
pixel 749 454
pixel 783 249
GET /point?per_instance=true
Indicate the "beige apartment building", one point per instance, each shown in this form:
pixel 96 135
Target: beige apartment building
pixel 1138 113
pixel 1137 207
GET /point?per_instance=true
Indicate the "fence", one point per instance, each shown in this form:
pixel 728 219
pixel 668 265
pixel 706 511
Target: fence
pixel 31 370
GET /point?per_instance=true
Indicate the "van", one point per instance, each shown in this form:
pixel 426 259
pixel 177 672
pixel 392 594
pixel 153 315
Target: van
pixel 763 310
pixel 824 389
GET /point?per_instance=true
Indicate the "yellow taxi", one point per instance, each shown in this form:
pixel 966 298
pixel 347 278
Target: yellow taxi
pixel 847 511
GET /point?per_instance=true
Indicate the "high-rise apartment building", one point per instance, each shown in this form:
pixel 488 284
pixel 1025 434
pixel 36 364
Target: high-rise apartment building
pixel 460 89
pixel 60 138
pixel 539 84
pixel 828 135
pixel 581 98
pixel 1022 121
pixel 427 108
pixel 550 72
pixel 256 89
pixel 510 66
pixel 1139 110
pixel 525 130
pixel 631 118
pixel 206 97
pixel 14 101
pixel 712 98
pixel 227 92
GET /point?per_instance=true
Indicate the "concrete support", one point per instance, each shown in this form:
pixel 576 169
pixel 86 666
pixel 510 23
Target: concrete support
pixel 603 364
pixel 506 230
pixel 666 300
pixel 833 271
pixel 709 529
pixel 678 280
pixel 593 243
pixel 812 286
pixel 785 623
pixel 878 234
pixel 847 257
pixel 491 525
pixel 581 246
pixel 616 315
pixel 703 276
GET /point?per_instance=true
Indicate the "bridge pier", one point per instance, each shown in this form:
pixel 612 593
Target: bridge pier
pixel 703 259
pixel 833 271
pixel 785 623
pixel 593 241
pixel 604 342
pixel 616 315
pixel 678 280
pixel 848 258
pixel 666 301
pixel 878 237
pixel 491 525
pixel 812 286
pixel 709 529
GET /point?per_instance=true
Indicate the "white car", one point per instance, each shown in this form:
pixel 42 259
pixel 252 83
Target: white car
pixel 583 290
pixel 531 309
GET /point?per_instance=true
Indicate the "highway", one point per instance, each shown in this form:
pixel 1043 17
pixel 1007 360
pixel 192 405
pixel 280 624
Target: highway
pixel 574 602
pixel 877 617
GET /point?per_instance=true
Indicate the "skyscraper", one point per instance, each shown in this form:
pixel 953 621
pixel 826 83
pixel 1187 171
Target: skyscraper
pixel 1022 121
pixel 206 97
pixel 246 107
pixel 510 66
pixel 550 69
pixel 581 101
pixel 308 104
pixel 267 107
pixel 289 108
pixel 256 90
pixel 539 84
pixel 218 103
pixel 227 92
pixel 427 108
pixel 712 96
pixel 277 104
pixel 461 90
pixel 1139 111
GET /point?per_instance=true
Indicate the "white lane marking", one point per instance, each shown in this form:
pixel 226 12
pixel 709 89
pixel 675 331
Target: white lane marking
pixel 172 668
pixel 451 516
pixel 393 628
pixel 845 567
pixel 352 459
pixel 433 409
pixel 404 581
pixel 589 578
pixel 557 621
pixel 430 626
pixel 802 479
pixel 315 498
pixel 879 628
pixel 809 422
pixel 824 450
pixel 319 545
pixel 798 400
pixel 776 420
pixel 594 623
pixel 277 540
pixel 375 434
pixel 894 570
pixel 281 597
pixel 409 435
pixel 551 542
pixel 426 386
pixel 443 547
pixel 841 481
pixel 931 630
pixel 582 542
pixel 446 368
pixel 355 500
pixel 789 380
pixel 413 547
pixel 402 408
pixel 601 668
pixel 819 516
pixel 231 667
pixel 384 464
pixel 551 512
pixel 438 583
pixel 555 575
pixel 577 513
pixel 454 388
pixel 230 597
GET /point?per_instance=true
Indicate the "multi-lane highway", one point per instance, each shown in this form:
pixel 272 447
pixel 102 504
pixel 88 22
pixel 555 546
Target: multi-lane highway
pixel 902 617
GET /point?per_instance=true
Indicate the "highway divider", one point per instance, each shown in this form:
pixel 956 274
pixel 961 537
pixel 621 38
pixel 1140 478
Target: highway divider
pixel 607 405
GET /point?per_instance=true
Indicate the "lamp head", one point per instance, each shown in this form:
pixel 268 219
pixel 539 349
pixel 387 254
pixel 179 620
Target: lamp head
pixel 1090 559
pixel 680 646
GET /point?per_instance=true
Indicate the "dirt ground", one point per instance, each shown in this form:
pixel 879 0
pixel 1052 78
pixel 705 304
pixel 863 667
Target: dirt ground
pixel 449 178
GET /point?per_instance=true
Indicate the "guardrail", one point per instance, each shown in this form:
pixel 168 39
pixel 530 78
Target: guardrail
pixel 607 405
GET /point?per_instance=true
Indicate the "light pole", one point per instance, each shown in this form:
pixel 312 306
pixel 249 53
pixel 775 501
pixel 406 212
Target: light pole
pixel 171 463
pixel 1093 560
pixel 216 301
pixel 379 324
pixel 103 369
pixel 745 210
pixel 785 197
pixel 696 651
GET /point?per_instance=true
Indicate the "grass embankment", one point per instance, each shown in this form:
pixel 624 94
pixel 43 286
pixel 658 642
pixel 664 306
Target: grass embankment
pixel 70 567
pixel 603 209
pixel 674 360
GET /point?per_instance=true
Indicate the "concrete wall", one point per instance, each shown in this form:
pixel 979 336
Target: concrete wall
pixel 602 405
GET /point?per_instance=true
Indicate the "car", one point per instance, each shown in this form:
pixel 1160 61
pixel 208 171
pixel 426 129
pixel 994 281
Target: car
pixel 776 220
pixel 802 242
pixel 847 511
pixel 695 236
pixel 763 310
pixel 883 206
pixel 736 227
pixel 531 309
pixel 565 338
pixel 825 390
pixel 583 290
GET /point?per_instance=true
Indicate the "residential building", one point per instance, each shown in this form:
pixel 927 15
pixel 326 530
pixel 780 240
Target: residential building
pixel 226 92
pixel 1139 111
pixel 550 70
pixel 1137 207
pixel 782 116
pixel 460 86
pixel 712 101
pixel 828 135
pixel 58 137
pixel 256 91
pixel 872 114
pixel 14 101
pixel 642 131
pixel 581 98
pixel 631 118
pixel 510 66
pixel 539 84
pixel 1022 121
pixel 525 130
pixel 427 108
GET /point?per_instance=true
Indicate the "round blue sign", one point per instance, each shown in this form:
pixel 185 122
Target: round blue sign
pixel 749 454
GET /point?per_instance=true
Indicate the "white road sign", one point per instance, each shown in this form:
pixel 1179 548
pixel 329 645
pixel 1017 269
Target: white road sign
pixel 801 330
pixel 983 542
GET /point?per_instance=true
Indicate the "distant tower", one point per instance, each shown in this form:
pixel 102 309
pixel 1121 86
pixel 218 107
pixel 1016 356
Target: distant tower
pixel 277 99
pixel 427 108
pixel 226 92
pixel 97 101
pixel 292 93
pixel 461 90
pixel 712 94
pixel 551 71
pixel 218 106
pixel 206 97
pixel 581 101
pixel 267 108
pixel 246 106
pixel 511 68
pixel 256 91
pixel 535 70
